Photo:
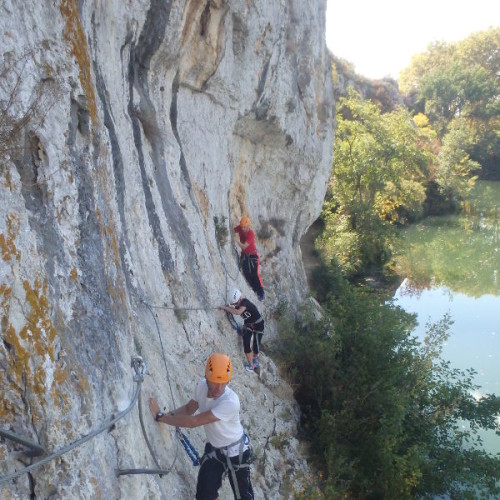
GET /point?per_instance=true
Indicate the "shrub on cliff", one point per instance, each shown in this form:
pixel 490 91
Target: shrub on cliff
pixel 382 411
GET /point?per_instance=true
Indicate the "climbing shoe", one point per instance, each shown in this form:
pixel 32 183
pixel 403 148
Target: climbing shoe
pixel 255 363
pixel 260 296
pixel 249 367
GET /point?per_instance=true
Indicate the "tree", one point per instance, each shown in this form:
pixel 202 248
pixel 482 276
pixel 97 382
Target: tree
pixel 459 91
pixel 454 172
pixel 378 179
pixel 421 64
pixel 481 49
pixel 460 81
pixel 383 412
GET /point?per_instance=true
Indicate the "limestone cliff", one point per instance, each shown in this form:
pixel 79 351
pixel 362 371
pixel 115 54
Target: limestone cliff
pixel 385 92
pixel 133 134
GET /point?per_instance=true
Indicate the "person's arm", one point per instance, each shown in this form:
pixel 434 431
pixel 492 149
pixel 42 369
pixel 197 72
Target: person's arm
pixel 183 416
pixel 233 310
pixel 237 230
pixel 242 245
pixel 188 409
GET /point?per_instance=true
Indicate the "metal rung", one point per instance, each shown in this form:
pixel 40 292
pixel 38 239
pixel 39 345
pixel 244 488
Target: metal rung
pixel 37 449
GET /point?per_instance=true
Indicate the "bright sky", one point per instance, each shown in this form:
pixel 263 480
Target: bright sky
pixel 380 36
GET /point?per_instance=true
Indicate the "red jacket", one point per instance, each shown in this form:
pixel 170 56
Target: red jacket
pixel 247 237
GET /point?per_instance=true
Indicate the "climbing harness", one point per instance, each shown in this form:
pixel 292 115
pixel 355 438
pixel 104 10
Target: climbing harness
pixel 232 468
pixel 228 463
pixel 190 449
pixel 140 369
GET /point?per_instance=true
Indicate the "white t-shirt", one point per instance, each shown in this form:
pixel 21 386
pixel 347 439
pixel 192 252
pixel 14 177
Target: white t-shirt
pixel 226 408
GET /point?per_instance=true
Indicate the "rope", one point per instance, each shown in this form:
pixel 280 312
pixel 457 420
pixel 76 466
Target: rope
pixel 138 378
pixel 164 306
pixel 238 258
pixel 190 449
pixel 224 265
pixel 124 472
pixel 162 350
pixel 161 472
pixel 150 448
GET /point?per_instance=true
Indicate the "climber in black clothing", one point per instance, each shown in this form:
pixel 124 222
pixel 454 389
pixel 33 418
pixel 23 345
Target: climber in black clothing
pixel 254 325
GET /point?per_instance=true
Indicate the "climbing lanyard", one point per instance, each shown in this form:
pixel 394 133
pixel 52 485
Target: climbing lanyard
pixel 233 322
pixel 190 449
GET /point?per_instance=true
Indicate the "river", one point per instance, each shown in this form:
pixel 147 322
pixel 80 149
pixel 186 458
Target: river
pixel 451 264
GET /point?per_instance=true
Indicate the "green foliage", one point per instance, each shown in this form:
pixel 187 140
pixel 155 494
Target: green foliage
pixel 281 440
pixel 385 415
pixel 138 345
pixel 180 314
pixel 378 175
pixel 390 169
pixel 454 171
pixel 382 411
pixel 281 309
pixel 436 55
pixel 221 231
pixel 458 91
pixel 459 82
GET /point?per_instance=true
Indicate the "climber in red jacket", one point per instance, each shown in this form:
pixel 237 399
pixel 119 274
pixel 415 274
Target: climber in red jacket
pixel 249 256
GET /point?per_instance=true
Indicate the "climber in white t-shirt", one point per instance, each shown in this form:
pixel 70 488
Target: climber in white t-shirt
pixel 217 407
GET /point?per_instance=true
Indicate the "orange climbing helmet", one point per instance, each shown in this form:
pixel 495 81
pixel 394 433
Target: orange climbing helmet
pixel 245 221
pixel 219 368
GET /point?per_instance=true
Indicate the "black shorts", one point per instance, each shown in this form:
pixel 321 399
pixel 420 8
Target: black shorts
pixel 212 470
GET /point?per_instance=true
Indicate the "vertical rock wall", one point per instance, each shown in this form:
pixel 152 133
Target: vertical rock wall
pixel 133 134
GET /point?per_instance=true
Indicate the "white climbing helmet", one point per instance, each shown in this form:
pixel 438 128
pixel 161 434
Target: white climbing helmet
pixel 233 296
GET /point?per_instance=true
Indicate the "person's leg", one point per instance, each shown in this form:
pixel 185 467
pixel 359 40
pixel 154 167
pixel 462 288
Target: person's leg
pixel 247 337
pixel 257 339
pixel 255 279
pixel 242 478
pixel 246 267
pixel 209 477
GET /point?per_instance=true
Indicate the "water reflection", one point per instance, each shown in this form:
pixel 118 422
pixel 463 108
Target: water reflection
pixel 461 253
pixel 451 264
pixel 475 334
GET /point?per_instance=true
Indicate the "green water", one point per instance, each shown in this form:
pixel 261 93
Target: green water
pixel 451 264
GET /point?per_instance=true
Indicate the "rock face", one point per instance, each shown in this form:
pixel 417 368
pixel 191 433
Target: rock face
pixel 385 92
pixel 133 134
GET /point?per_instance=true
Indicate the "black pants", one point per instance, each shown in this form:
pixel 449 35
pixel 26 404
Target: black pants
pixel 250 268
pixel 247 340
pixel 212 470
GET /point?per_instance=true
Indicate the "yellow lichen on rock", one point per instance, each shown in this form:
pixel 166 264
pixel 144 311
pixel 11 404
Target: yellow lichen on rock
pixel 74 34
pixel 34 343
pixel 7 245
